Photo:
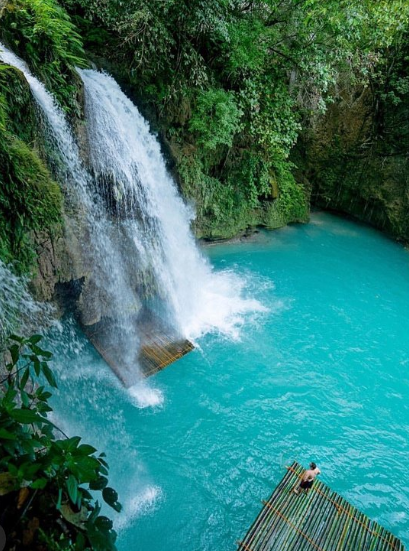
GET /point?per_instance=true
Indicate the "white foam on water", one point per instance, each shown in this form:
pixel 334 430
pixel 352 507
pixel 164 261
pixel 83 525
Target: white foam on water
pixel 222 308
pixel 142 395
pixel 143 502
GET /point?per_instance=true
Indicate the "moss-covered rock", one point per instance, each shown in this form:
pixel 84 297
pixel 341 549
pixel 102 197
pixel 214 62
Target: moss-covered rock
pixel 356 160
pixel 30 200
pixel 41 32
pixel 231 206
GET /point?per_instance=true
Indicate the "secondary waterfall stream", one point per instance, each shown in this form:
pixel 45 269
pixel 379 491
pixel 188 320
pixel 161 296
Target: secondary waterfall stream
pixel 18 310
pixel 133 227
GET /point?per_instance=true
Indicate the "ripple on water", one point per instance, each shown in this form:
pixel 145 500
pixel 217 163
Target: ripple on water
pixel 323 378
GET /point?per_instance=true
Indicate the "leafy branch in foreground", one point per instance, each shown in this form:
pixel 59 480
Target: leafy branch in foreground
pixel 46 477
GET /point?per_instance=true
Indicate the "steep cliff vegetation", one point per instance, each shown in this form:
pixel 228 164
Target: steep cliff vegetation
pixel 41 32
pixel 230 86
pixel 30 200
pixel 233 83
pixel 357 154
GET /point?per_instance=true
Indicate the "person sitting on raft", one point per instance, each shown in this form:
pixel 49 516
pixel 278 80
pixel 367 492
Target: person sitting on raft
pixel 308 478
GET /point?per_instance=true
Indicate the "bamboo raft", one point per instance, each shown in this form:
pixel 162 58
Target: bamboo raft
pixel 319 521
pixel 160 350
pixel 159 347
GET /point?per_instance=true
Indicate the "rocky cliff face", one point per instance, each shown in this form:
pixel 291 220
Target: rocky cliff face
pixel 356 158
pixel 41 229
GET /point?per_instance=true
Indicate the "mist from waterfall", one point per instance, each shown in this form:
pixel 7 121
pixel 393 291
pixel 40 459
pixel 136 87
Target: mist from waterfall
pixel 19 312
pixel 127 156
pixel 133 226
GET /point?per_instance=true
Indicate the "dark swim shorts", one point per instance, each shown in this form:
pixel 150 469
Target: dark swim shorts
pixel 306 484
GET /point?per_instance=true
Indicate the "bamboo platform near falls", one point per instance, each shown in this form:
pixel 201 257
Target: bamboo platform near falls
pixel 160 351
pixel 318 521
pixel 159 346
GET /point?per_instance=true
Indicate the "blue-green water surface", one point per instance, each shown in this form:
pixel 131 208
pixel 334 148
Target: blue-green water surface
pixel 321 375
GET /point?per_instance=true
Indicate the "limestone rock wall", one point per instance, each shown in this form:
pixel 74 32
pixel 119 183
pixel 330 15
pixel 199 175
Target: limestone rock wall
pixel 356 158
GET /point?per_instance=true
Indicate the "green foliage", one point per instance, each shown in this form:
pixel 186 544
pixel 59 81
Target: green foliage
pixel 16 104
pixel 29 199
pixel 42 33
pixel 43 478
pixel 2 111
pixel 27 187
pixel 255 176
pixel 292 200
pixel 216 118
pixel 231 83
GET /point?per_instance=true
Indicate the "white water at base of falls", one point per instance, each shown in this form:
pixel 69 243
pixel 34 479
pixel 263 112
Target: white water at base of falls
pixel 123 148
pixel 135 220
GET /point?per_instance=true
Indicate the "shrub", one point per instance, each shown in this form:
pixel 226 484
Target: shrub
pixel 216 118
pixel 42 33
pixel 45 480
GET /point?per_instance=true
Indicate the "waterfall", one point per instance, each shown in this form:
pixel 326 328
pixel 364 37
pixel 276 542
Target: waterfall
pixel 133 225
pixel 107 291
pixel 18 311
pixel 127 156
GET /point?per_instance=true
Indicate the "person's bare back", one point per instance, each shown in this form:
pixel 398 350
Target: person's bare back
pixel 308 478
pixel 310 474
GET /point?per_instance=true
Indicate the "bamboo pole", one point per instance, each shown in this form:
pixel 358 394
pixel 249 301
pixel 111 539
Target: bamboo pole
pixel 248 539
pixel 336 522
pixel 331 521
pixel 324 515
pixel 301 518
pixel 312 522
pixel 278 500
pixel 318 521
pixel 282 505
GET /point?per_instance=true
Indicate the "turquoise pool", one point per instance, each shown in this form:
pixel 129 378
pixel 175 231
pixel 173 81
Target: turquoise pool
pixel 322 374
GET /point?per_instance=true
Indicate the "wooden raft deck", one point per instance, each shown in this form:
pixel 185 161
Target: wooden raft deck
pixel 319 521
pixel 158 347
pixel 160 350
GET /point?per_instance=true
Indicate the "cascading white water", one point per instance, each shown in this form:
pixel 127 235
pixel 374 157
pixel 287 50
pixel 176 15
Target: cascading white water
pixel 123 148
pixel 18 310
pixel 134 219
pixel 103 235
pixel 108 288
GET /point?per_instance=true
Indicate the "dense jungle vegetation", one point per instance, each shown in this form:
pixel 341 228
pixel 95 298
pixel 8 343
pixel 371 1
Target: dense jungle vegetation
pixel 233 83
pixel 236 90
pixel 228 84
